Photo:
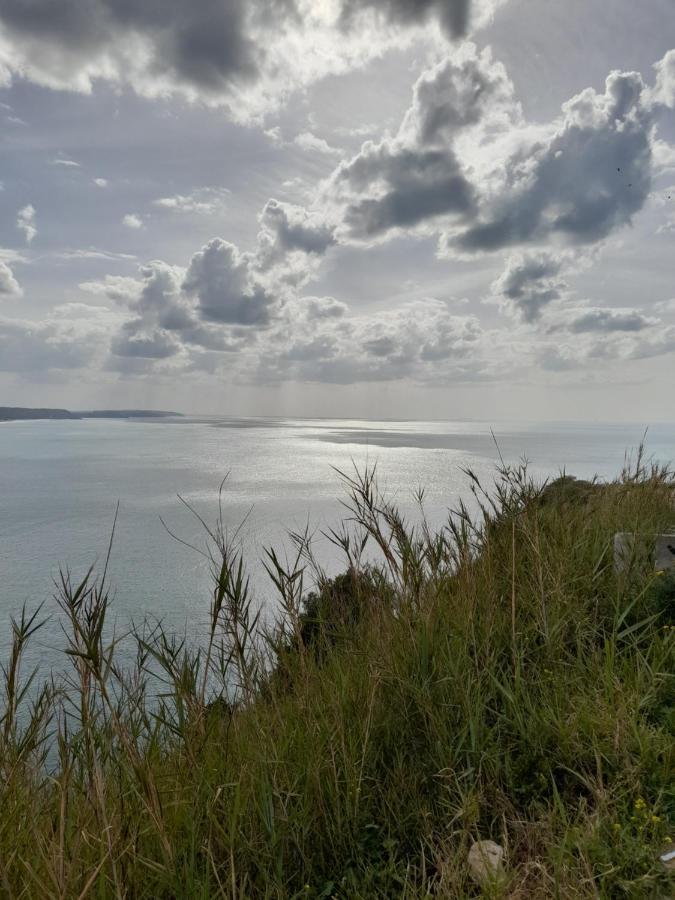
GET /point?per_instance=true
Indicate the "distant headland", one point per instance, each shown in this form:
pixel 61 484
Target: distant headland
pixel 23 413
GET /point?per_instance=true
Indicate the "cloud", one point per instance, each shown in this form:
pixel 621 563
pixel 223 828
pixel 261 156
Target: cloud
pixel 605 320
pixel 416 178
pixel 25 222
pixel 165 320
pixel 529 283
pixel 131 220
pixel 454 16
pixel 150 345
pixel 28 348
pixel 9 286
pixel 465 165
pixel 663 92
pixel 583 350
pixel 421 340
pixel 580 179
pixel 101 182
pixel 308 141
pixel 203 201
pixel 225 286
pixel 245 54
pixel 288 234
pixel 66 163
pixel 84 253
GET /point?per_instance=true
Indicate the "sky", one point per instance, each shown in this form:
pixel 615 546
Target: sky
pixel 428 209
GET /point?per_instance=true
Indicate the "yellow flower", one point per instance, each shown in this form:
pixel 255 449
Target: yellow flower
pixel 616 826
pixel 656 818
pixel 640 803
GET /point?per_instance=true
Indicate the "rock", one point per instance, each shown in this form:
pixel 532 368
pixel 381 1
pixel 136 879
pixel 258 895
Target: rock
pixel 668 860
pixel 664 553
pixel 628 546
pixel 485 862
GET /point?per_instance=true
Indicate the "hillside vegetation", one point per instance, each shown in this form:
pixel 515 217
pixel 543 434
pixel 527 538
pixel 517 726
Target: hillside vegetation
pixel 496 679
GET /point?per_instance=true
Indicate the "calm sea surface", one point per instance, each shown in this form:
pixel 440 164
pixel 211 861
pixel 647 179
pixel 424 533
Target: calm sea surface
pixel 60 483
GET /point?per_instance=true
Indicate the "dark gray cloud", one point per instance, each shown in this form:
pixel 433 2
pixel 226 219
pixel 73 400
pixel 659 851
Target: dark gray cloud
pixel 222 281
pixel 410 186
pixel 608 320
pixel 416 176
pixel 454 15
pixel 287 228
pixel 529 283
pixel 204 44
pixel 586 178
pixel 9 286
pixel 164 318
pixel 464 151
pixel 213 50
pixel 463 90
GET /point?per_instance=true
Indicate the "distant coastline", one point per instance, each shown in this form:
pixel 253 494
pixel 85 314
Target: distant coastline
pixel 25 414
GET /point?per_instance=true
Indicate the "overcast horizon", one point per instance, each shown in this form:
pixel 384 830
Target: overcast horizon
pixel 413 209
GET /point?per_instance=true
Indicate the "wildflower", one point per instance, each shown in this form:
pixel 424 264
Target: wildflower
pixel 656 819
pixel 616 826
pixel 640 803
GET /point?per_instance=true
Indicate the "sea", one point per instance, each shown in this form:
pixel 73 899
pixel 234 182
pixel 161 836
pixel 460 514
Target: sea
pixel 63 484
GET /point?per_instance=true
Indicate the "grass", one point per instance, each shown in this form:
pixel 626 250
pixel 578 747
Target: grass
pixel 496 679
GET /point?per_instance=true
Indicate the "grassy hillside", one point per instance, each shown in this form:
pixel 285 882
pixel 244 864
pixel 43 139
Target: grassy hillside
pixel 494 680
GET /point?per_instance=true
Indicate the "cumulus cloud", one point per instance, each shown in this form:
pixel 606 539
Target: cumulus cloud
pixel 578 180
pixel 9 286
pixel 466 166
pixel 529 283
pixel 222 280
pixel 416 178
pixel 133 221
pixel 25 222
pixel 663 92
pixel 101 182
pixel 289 234
pixel 164 321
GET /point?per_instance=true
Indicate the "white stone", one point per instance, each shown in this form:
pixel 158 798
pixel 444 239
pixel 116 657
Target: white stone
pixel 485 862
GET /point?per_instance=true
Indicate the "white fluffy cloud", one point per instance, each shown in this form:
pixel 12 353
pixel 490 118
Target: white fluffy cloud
pixel 664 89
pixel 25 222
pixel 202 201
pixel 133 221
pixel 9 286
